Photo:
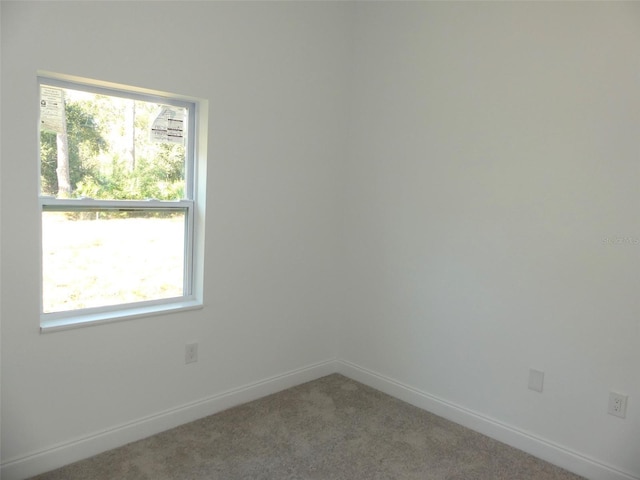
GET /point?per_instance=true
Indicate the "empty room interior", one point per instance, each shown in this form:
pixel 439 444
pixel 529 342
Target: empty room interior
pixel 438 200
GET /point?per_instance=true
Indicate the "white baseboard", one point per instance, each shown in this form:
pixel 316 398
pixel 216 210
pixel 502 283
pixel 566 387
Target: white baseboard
pixel 78 449
pixel 538 447
pixel 81 448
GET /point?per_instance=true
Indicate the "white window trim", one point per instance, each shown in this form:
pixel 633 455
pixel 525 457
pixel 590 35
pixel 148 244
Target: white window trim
pixel 195 207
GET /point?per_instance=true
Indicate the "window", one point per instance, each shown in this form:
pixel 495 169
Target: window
pixel 119 203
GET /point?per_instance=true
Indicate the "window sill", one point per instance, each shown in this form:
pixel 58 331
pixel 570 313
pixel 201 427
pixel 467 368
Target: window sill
pixel 48 325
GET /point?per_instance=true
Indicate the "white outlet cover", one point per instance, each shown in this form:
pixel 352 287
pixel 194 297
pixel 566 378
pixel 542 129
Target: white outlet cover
pixel 536 380
pixel 618 404
pixel 191 353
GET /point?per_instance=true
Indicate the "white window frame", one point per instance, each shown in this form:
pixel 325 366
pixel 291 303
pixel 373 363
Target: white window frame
pixel 193 205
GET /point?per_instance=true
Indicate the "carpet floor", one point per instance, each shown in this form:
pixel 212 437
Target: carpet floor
pixel 330 429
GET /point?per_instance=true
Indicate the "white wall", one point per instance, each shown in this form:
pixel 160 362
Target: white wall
pixel 448 172
pixel 273 74
pixel 495 147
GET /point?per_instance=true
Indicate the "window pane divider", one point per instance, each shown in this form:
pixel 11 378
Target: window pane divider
pixel 50 204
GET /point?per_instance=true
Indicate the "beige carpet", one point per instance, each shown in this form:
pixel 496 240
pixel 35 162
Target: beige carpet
pixel 332 428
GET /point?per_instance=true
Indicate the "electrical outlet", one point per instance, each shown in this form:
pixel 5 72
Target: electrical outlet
pixel 536 380
pixel 191 353
pixel 617 404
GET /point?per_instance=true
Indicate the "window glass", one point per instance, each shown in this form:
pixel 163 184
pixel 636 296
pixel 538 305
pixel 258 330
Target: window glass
pixel 108 147
pixel 97 258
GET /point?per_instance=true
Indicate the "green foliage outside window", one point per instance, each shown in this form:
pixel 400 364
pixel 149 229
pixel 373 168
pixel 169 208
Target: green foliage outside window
pixel 110 154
